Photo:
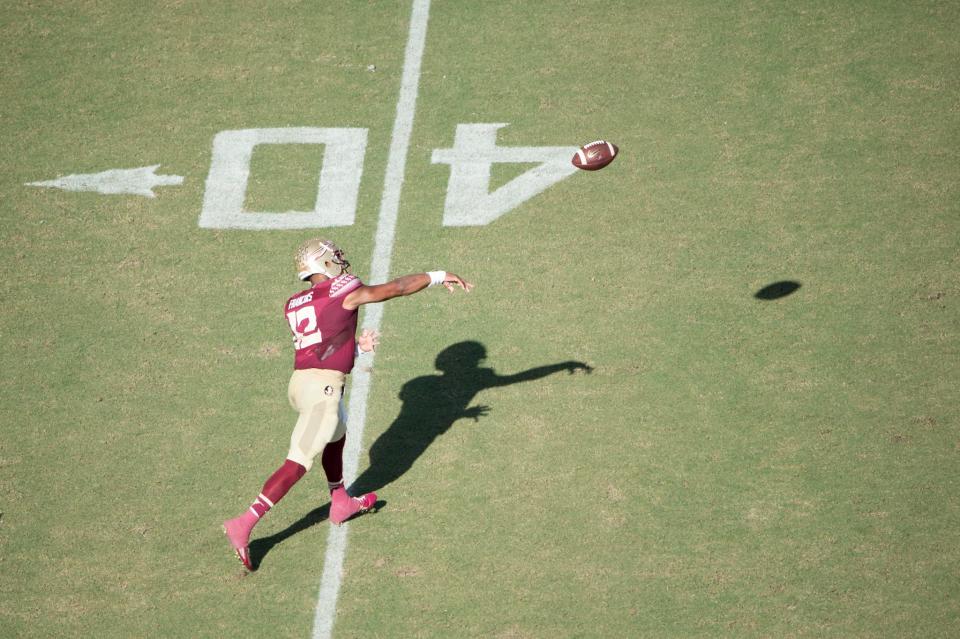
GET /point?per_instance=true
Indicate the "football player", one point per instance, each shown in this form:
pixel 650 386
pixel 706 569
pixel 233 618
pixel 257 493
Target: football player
pixel 323 320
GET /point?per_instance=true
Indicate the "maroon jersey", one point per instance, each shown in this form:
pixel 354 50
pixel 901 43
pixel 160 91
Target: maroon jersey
pixel 324 333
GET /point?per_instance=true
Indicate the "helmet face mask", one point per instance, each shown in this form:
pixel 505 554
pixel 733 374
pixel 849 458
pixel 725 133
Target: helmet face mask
pixel 319 256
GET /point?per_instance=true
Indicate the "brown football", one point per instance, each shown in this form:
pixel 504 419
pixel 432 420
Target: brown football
pixel 595 155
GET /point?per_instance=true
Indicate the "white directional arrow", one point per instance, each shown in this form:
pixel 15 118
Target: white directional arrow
pixel 139 181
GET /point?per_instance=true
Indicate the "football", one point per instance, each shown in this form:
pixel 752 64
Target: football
pixel 594 156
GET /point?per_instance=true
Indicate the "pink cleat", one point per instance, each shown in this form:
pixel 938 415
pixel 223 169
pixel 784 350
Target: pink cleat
pixel 343 506
pixel 238 534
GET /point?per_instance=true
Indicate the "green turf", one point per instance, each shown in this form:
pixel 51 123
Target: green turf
pixel 732 466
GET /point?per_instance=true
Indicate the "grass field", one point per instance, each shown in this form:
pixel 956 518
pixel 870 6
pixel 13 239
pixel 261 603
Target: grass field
pixel 732 467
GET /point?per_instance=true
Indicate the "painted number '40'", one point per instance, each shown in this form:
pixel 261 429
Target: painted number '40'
pixel 303 323
pixel 469 201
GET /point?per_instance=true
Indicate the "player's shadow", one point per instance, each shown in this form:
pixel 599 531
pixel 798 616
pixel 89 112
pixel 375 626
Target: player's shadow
pixel 433 403
pixel 260 547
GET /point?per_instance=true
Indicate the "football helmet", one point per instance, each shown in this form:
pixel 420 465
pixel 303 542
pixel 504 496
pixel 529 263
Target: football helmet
pixel 320 256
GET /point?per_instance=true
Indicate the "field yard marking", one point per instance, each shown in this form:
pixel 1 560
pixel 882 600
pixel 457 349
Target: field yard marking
pixel 139 181
pixel 469 200
pixel 339 181
pixel 379 270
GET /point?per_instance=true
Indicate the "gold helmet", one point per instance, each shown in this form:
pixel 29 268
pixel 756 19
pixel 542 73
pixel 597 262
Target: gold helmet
pixel 320 256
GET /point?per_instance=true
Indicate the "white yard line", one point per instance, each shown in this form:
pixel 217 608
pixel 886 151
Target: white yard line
pixel 379 271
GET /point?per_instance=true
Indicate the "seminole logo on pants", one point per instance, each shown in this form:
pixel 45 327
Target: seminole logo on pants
pixel 315 393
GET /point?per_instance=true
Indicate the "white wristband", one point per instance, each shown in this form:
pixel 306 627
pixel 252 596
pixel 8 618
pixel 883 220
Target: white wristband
pixel 436 277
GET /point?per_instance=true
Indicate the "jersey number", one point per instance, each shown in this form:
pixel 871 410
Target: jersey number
pixel 303 323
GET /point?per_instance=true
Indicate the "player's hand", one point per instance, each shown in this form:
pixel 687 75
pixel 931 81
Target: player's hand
pixel 452 280
pixel 573 367
pixel 368 340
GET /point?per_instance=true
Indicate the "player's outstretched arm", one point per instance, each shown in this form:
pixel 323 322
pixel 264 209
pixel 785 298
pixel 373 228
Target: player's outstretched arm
pixel 406 285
